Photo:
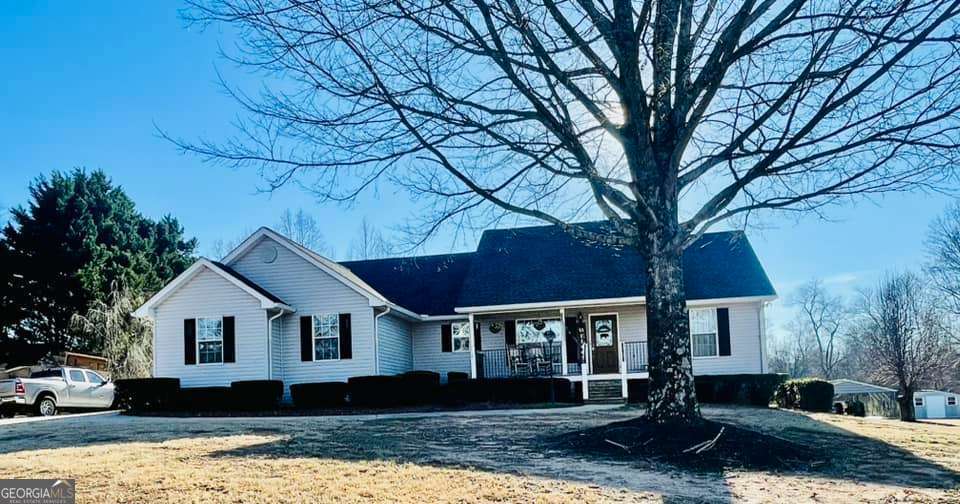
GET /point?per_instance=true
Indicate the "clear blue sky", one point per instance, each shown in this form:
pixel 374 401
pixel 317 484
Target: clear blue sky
pixel 83 87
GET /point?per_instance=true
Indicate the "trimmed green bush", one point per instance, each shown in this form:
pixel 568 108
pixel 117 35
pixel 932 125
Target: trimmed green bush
pixel 747 389
pixel 638 390
pixel 418 387
pixel 206 399
pixel 374 391
pixel 146 394
pixel 808 394
pixel 256 394
pixel 453 376
pixel 856 408
pixel 319 395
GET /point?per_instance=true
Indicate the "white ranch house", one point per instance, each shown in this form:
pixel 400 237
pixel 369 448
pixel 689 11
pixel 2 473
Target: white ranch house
pixel 529 302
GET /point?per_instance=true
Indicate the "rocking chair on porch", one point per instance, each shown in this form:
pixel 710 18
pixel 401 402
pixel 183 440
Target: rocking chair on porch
pixel 518 365
pixel 538 361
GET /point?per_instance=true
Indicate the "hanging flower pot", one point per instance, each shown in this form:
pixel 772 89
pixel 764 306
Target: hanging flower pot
pixel 539 325
pixel 495 327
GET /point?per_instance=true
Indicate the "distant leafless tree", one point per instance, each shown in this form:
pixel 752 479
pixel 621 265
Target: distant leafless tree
pixel 943 247
pixel 369 243
pixel 221 247
pixel 791 353
pixel 556 109
pixel 822 318
pixel 304 229
pixel 904 335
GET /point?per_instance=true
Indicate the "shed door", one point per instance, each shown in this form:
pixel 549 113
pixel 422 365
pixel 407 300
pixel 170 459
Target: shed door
pixel 936 406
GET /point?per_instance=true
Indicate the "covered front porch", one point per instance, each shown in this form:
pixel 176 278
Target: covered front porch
pixel 603 344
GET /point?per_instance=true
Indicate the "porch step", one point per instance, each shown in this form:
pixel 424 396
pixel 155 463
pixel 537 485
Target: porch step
pixel 605 391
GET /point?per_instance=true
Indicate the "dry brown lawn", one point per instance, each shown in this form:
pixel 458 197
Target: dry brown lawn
pixel 466 458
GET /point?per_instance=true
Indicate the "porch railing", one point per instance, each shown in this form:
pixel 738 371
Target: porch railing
pixel 532 359
pixel 635 356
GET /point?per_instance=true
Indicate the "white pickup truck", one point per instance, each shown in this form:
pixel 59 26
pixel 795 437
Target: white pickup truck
pixel 58 388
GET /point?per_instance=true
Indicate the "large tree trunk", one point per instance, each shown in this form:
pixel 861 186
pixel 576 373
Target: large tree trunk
pixel 672 395
pixel 905 398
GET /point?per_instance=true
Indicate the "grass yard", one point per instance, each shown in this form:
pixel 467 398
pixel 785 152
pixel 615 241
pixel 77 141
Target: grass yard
pixel 462 458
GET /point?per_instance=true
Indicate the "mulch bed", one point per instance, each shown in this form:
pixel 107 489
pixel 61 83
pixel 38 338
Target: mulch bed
pixel 701 446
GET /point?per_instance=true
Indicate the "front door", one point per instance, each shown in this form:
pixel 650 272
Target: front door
pixel 604 343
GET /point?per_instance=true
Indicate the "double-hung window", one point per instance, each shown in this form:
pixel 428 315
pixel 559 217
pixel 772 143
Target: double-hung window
pixel 326 337
pixel 917 401
pixel 951 401
pixel 210 340
pixel 460 332
pixel 703 332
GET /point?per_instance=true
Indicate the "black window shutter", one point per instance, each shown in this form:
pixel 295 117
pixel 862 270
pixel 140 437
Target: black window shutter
pixel 190 341
pixel 723 330
pixel 573 343
pixel 510 332
pixel 346 337
pixel 478 339
pixel 446 338
pixel 229 340
pixel 306 338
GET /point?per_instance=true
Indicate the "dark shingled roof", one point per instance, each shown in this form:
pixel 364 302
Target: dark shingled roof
pixel 249 283
pixel 426 285
pixel 542 264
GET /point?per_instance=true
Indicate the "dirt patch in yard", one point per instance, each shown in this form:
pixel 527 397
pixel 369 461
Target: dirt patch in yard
pixel 706 445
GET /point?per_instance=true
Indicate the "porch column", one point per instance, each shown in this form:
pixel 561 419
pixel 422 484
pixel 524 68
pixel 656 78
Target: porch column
pixel 585 360
pixel 623 371
pixel 563 342
pixel 473 349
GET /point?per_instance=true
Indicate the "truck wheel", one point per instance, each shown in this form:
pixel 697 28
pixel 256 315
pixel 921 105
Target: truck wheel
pixel 46 406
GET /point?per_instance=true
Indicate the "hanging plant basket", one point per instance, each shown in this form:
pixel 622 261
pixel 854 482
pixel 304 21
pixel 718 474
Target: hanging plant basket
pixel 495 327
pixel 539 325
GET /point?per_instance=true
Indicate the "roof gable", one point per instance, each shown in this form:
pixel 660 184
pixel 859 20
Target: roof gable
pixel 267 300
pixel 342 274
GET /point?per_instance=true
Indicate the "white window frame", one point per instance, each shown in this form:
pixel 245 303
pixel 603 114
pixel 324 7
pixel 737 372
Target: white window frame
pixel 517 323
pixel 313 336
pixel 197 322
pixel 918 401
pixel 460 331
pixel 951 398
pixel 716 332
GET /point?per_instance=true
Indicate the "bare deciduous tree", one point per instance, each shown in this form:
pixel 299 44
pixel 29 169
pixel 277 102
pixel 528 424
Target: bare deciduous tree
pixel 943 245
pixel 791 353
pixel 822 318
pixel 557 109
pixel 369 243
pixel 904 336
pixel 304 229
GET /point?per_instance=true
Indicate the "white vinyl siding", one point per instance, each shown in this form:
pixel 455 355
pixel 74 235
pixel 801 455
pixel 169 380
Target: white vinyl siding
pixel 745 345
pixel 310 291
pixel 276 348
pixel 427 354
pixel 395 345
pixel 208 294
